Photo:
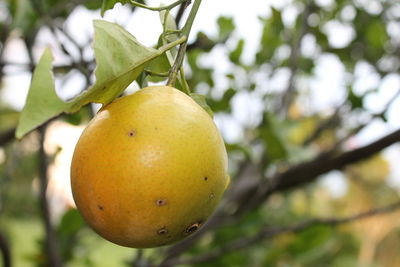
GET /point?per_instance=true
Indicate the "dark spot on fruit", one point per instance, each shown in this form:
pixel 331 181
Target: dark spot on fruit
pixel 162 231
pixel 193 228
pixel 132 133
pixel 205 178
pixel 100 207
pixel 161 202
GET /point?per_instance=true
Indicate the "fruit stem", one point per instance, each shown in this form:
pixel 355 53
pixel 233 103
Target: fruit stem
pixel 185 85
pixel 177 64
pixel 182 48
pixel 161 8
pixel 189 22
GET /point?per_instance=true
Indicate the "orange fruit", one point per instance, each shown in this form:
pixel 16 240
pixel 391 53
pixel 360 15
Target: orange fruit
pixel 149 168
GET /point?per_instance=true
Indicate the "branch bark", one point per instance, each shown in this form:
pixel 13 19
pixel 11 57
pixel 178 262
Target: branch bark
pixel 7 136
pixel 294 176
pixel 309 171
pixel 5 250
pixel 287 97
pixel 268 232
pixel 53 255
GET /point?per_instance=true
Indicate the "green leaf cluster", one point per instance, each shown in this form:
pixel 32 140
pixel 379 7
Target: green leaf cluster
pixel 120 60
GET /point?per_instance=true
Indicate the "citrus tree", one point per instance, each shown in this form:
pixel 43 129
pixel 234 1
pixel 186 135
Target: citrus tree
pixel 151 168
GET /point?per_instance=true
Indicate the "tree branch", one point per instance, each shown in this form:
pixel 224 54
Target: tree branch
pixel 287 97
pixel 295 176
pixel 7 136
pixel 53 255
pixel 268 232
pixel 309 171
pixel 181 11
pixel 5 250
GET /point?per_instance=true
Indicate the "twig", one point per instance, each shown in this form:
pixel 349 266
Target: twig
pixel 5 250
pixel 327 124
pixel 181 11
pixel 4 32
pixel 287 97
pixel 177 64
pixel 292 177
pixel 268 232
pixel 309 171
pixel 182 49
pixel 51 243
pixel 161 8
pixel 7 136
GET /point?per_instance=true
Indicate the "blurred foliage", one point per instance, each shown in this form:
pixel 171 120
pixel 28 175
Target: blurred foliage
pixel 272 138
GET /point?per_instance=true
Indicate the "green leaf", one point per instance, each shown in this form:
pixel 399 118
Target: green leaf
pixel 355 100
pixel 120 60
pixel 226 27
pixel 235 55
pixel 223 104
pixel 169 24
pixel 163 63
pixel 201 100
pixel 109 4
pixel 23 14
pixel 376 34
pixel 269 132
pixel 42 101
pixel 71 222
pixel 271 37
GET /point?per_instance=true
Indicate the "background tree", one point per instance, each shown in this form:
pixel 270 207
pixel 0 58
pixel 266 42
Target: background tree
pixel 281 145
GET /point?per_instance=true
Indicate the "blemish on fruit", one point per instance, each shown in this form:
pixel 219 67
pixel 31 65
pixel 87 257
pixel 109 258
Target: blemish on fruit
pixel 211 196
pixel 161 202
pixel 205 178
pixel 100 207
pixel 193 228
pixel 162 231
pixel 132 133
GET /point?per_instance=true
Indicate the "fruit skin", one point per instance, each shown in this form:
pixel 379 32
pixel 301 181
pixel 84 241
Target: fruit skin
pixel 149 169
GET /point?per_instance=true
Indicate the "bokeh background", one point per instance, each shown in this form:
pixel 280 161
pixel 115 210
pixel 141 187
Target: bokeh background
pixel 305 93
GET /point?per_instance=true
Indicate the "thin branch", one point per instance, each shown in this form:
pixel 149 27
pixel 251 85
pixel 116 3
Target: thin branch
pixel 329 123
pixel 53 254
pixel 181 11
pixel 5 250
pixel 182 49
pixel 309 171
pixel 177 65
pixel 161 8
pixel 61 7
pixel 287 98
pixel 7 136
pixel 4 33
pixel 292 177
pixel 267 232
